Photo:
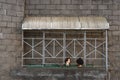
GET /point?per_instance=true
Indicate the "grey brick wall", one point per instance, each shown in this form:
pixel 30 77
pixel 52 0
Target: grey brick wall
pixel 11 15
pixel 107 8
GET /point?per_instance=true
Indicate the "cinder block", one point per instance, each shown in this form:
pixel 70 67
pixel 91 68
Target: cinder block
pixel 27 2
pixel 6 18
pixel 66 1
pixel 16 43
pixel 5 67
pixel 2 0
pixel 102 6
pixel 76 1
pixel 93 7
pixel 55 12
pixel 11 12
pixel 112 18
pixel 1 34
pixel 45 1
pixel 3 24
pixel 61 6
pixel 6 41
pixel 13 36
pixel 116 12
pixel 15 19
pixel 55 1
pixel 50 7
pixel 20 14
pixel 5 54
pixel 6 30
pixel 76 12
pixel 21 2
pixel 35 12
pixel 96 12
pixel 2 47
pixel 107 12
pixel 18 37
pixel 2 12
pixel 1 18
pixel 86 12
pixel 45 12
pixel 88 7
pixel 107 1
pixel 11 24
pixel 113 7
pixel 114 47
pixel 11 1
pixel 86 1
pixel 116 23
pixel 11 48
pixel 0 5
pixel 114 28
pixel 96 1
pixel 9 37
pixel 27 12
pixel 34 1
pixel 40 6
pixel 66 12
pixel 1 42
pixel 6 6
pixel 116 1
pixel 19 8
pixel 72 6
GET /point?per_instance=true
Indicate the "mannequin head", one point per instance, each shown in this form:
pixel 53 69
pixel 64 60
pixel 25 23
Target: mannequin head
pixel 67 61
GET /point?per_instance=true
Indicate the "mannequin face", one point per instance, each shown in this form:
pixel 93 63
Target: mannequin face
pixel 69 61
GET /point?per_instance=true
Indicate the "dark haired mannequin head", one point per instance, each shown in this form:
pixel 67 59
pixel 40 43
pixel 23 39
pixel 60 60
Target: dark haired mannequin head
pixel 79 62
pixel 67 61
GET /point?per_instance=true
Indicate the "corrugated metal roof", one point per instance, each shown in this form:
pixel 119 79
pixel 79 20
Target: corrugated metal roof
pixel 65 23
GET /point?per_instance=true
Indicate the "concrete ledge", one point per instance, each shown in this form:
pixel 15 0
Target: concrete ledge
pixel 59 73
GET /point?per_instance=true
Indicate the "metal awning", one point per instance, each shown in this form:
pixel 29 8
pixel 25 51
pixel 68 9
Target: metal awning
pixel 85 23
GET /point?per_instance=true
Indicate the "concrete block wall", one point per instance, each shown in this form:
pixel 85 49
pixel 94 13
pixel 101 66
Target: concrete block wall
pixel 107 8
pixel 11 15
pixel 60 74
